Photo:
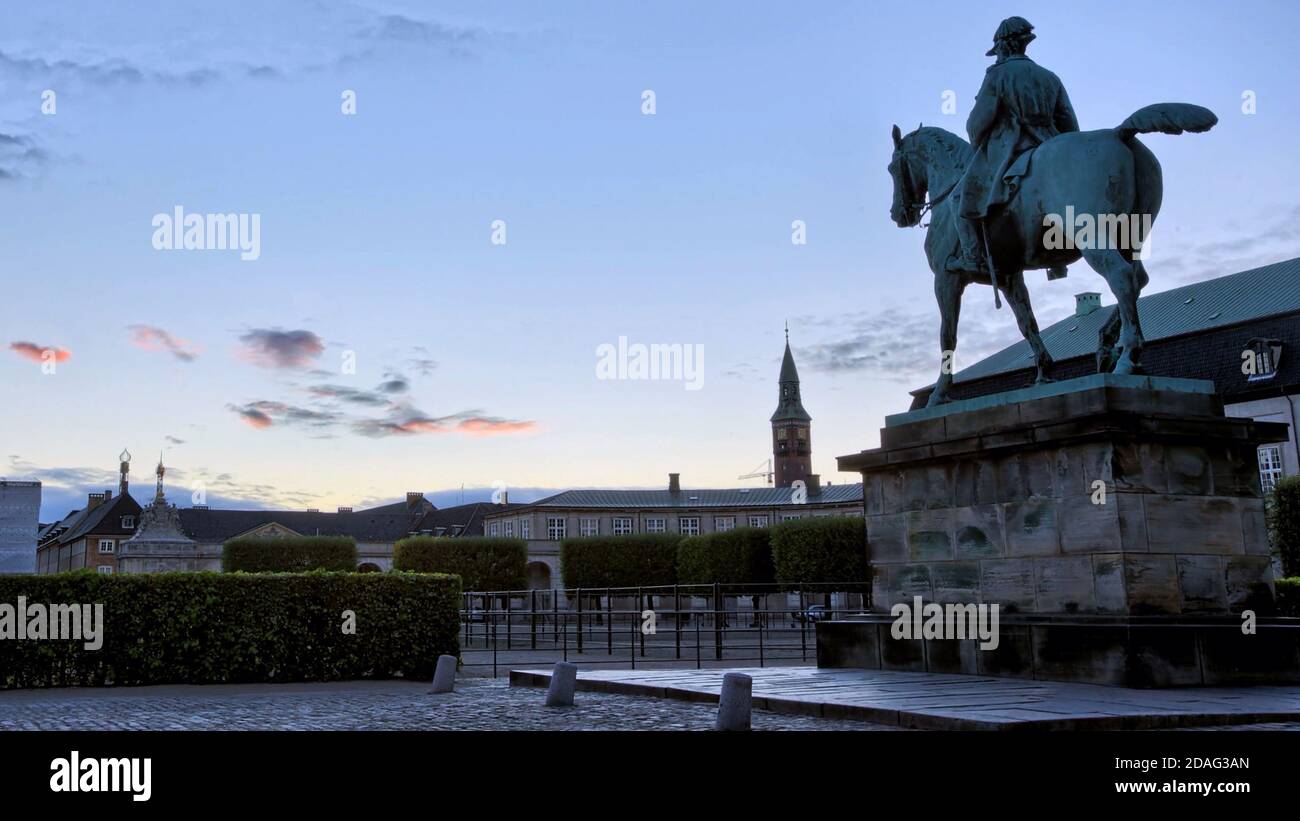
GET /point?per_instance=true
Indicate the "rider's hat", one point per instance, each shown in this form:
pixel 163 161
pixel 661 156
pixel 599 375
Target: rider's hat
pixel 1011 27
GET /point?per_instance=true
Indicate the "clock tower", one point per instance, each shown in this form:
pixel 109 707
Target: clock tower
pixel 791 427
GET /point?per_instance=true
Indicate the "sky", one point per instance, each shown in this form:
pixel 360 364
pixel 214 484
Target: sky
pixel 386 340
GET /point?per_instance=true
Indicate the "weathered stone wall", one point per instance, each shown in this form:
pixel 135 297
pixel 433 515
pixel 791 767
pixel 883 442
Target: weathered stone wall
pixel 1001 505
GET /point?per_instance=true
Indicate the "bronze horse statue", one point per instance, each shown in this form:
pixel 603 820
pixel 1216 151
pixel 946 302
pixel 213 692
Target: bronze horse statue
pixel 1100 173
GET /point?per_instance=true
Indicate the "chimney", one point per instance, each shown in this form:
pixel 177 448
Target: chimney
pixel 345 510
pixel 674 483
pixel 200 507
pixel 108 494
pixel 814 484
pixel 505 497
pixel 313 510
pixel 1086 302
pixel 93 500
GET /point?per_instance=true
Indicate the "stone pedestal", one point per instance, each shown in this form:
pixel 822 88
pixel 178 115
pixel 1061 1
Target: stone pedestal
pixel 1108 498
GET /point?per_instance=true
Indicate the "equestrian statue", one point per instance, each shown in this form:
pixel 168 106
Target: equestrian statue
pixel 996 203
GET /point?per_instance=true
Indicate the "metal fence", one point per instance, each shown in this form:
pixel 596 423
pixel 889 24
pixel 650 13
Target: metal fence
pixel 647 626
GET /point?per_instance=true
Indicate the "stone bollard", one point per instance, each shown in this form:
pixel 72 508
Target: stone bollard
pixel 563 681
pixel 444 676
pixel 736 702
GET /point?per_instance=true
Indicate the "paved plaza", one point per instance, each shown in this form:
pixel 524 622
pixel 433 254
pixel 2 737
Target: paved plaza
pixel 934 701
pixel 477 704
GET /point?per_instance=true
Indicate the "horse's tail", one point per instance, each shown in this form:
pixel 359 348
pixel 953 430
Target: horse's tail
pixel 1167 118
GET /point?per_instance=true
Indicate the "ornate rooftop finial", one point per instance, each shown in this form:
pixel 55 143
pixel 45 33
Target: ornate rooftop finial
pixel 158 496
pixel 124 456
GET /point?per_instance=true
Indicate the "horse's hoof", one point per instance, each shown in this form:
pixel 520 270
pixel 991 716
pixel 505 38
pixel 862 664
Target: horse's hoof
pixel 1044 380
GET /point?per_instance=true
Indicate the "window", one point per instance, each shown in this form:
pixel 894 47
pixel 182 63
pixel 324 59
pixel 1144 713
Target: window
pixel 105 569
pixel 1270 467
pixel 721 524
pixel 758 521
pixel 622 525
pixel 493 528
pixel 107 545
pixel 803 434
pixel 654 525
pixel 508 528
pixel 525 528
pixel 555 528
pixel 785 517
pixel 128 522
pixel 780 433
pixel 589 527
pixel 689 525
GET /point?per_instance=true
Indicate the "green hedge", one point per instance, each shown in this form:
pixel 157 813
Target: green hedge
pixel 205 628
pixel 1284 524
pixel 1288 597
pixel 639 560
pixel 482 564
pixel 740 556
pixel 292 554
pixel 828 550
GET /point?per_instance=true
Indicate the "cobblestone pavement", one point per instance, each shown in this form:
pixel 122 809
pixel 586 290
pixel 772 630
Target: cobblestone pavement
pixel 477 704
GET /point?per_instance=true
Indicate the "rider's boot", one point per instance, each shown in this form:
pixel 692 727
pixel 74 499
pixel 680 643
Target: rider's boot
pixel 971 256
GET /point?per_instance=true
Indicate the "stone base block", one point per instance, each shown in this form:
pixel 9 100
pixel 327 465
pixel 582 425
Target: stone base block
pixel 1124 651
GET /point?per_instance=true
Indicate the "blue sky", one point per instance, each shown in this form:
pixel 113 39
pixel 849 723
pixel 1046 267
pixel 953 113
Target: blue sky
pixel 475 362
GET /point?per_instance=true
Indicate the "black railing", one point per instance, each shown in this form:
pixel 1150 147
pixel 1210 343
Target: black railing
pixel 647 626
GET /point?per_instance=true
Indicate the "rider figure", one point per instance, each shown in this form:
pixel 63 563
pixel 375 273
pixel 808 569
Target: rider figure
pixel 1019 106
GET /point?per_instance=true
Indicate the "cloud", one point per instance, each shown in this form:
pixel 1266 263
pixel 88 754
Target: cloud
pixel 265 413
pixel 149 338
pixel 173 440
pixel 396 28
pixel 36 353
pixel 1224 250
pixel 902 345
pixel 274 348
pixel 20 157
pixel 406 420
pixel 346 394
pixel 394 384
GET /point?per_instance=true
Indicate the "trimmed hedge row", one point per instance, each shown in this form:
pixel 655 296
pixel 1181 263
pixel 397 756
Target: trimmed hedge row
pixel 207 628
pixel 641 560
pixel 1288 596
pixel 827 550
pixel 482 564
pixel 1284 524
pixel 815 550
pixel 292 554
pixel 740 556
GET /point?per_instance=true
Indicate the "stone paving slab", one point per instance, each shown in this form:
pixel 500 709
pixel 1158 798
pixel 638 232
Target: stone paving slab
pixel 933 701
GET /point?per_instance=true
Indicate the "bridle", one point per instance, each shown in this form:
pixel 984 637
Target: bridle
pixel 906 177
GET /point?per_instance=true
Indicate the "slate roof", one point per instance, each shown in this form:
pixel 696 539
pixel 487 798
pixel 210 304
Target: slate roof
pixel 689 499
pixel 469 517
pixel 219 525
pixel 1271 290
pixel 1195 332
pixel 102 519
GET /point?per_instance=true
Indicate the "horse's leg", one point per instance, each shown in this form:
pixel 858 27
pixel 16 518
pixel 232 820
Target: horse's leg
pixel 1018 297
pixel 948 288
pixel 1123 278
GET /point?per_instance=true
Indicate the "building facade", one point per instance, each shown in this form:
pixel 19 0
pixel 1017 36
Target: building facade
pixel 1241 332
pixel 20 510
pixel 546 523
pixel 89 537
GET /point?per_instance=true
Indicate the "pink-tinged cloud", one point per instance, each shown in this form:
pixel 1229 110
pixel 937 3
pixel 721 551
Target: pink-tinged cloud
pixel 492 426
pixel 274 348
pixel 36 353
pixel 149 338
pixel 406 421
pixel 265 413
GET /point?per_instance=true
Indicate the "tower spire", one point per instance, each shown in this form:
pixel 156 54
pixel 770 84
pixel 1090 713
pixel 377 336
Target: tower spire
pixel 791 425
pixel 158 498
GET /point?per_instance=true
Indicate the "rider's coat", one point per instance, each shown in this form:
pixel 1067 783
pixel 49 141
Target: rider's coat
pixel 1019 106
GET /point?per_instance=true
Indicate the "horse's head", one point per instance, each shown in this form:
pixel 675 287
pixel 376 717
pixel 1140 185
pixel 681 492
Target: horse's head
pixel 909 183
